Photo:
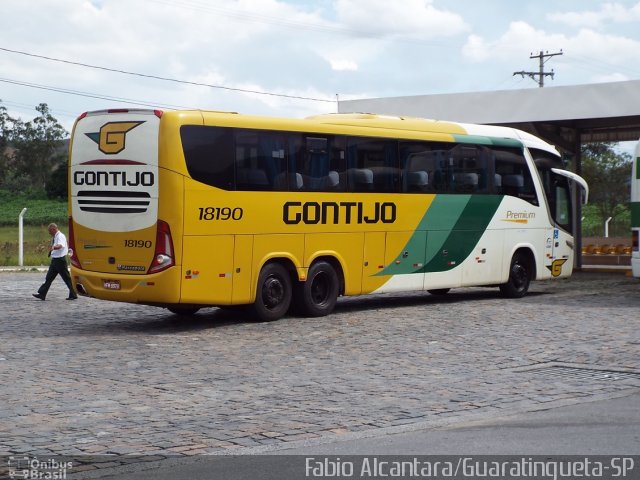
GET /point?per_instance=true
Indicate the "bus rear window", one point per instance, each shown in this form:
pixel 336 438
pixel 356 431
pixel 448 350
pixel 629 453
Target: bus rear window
pixel 209 153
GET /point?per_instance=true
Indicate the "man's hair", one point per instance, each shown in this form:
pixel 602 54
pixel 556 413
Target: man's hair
pixel 53 225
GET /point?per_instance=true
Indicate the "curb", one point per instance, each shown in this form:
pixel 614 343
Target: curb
pixel 13 269
pixel 626 269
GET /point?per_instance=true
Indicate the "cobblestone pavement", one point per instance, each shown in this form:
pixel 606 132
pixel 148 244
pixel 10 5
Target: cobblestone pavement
pixel 93 377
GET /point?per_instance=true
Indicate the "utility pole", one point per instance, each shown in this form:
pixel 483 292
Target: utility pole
pixel 543 57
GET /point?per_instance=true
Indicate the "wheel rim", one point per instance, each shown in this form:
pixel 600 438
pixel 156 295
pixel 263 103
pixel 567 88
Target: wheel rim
pixel 273 292
pixel 519 276
pixel 320 289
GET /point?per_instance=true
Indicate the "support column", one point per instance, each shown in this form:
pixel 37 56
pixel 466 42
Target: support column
pixel 577 197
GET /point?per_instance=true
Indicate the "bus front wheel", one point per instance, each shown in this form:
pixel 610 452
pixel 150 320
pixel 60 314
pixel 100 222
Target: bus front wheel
pixel 273 295
pixel 318 295
pixel 517 285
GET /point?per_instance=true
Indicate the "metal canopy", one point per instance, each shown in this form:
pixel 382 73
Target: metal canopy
pixel 563 116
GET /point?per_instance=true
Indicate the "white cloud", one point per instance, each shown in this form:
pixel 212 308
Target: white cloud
pixel 307 48
pixel 407 18
pixel 519 39
pixel 612 77
pixel 609 12
pixel 343 65
pixel 585 46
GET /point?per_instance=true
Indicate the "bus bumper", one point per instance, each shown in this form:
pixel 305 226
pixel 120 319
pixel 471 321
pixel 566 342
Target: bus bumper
pixel 157 289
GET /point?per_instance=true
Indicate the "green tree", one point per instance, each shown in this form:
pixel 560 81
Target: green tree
pixel 607 173
pixel 36 143
pixel 58 182
pixel 5 135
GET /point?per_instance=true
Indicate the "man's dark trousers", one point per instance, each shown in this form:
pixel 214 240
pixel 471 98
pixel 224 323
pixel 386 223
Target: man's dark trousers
pixel 57 266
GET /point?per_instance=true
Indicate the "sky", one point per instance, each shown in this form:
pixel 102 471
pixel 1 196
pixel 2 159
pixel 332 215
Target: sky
pixel 295 58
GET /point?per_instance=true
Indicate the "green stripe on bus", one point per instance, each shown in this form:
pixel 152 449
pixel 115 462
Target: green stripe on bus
pixel 438 221
pixel 635 214
pixel 453 226
pixel 466 233
pixel 482 140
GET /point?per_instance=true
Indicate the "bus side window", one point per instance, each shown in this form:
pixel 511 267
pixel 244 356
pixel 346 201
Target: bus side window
pixel 336 177
pixel 208 153
pixel 260 160
pixel 515 177
pixel 373 165
pixel 317 162
pixel 470 169
pixel 424 166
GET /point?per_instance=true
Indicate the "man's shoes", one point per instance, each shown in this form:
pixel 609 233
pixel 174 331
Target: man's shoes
pixel 72 298
pixel 37 295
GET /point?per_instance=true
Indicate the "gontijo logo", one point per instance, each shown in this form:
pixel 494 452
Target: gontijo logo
pixel 112 136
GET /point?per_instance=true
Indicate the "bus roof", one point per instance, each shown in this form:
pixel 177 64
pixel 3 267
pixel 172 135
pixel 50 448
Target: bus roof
pixel 366 121
pixel 424 124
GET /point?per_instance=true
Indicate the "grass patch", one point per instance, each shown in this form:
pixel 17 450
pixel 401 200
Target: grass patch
pixel 40 212
pixel 36 245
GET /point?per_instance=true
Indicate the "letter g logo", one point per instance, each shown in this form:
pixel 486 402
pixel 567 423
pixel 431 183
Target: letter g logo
pixel 556 267
pixel 112 136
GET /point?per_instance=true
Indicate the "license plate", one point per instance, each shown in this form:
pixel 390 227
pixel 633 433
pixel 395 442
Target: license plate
pixel 111 284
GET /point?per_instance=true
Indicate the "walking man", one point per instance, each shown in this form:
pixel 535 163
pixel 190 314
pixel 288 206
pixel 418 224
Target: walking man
pixel 58 254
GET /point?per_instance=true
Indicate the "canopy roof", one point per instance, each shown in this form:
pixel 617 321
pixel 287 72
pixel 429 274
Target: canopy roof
pixel 564 116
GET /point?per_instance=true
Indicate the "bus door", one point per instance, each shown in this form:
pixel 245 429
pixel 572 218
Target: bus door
pixel 561 245
pixel 373 261
pixel 404 258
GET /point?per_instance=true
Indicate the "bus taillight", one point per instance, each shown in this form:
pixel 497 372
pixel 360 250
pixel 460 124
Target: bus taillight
pixel 163 256
pixel 635 240
pixel 73 254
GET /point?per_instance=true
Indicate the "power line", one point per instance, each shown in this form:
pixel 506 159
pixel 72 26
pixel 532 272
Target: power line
pixel 602 66
pixel 540 73
pixel 23 107
pixel 91 95
pixel 165 79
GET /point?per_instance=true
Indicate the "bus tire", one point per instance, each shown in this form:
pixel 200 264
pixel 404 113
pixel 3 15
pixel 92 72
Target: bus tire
pixel 317 296
pixel 520 271
pixel 187 311
pixel 273 293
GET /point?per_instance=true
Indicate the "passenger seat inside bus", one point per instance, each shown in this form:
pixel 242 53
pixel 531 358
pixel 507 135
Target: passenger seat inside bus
pixel 325 183
pixel 252 179
pixel 331 181
pixel 361 179
pixel 288 182
pixel 417 181
pixel 466 182
pixel 512 185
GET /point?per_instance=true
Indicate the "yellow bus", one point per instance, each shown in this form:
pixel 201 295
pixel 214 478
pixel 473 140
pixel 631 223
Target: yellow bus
pixel 192 209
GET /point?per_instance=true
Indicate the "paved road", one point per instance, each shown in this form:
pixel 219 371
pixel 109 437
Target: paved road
pixel 92 377
pixel 586 430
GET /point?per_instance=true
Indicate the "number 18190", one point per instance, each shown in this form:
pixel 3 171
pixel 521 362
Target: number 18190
pixel 220 213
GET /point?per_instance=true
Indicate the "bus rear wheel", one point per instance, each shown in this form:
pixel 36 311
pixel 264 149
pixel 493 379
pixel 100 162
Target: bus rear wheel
pixel 317 296
pixel 273 294
pixel 517 285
